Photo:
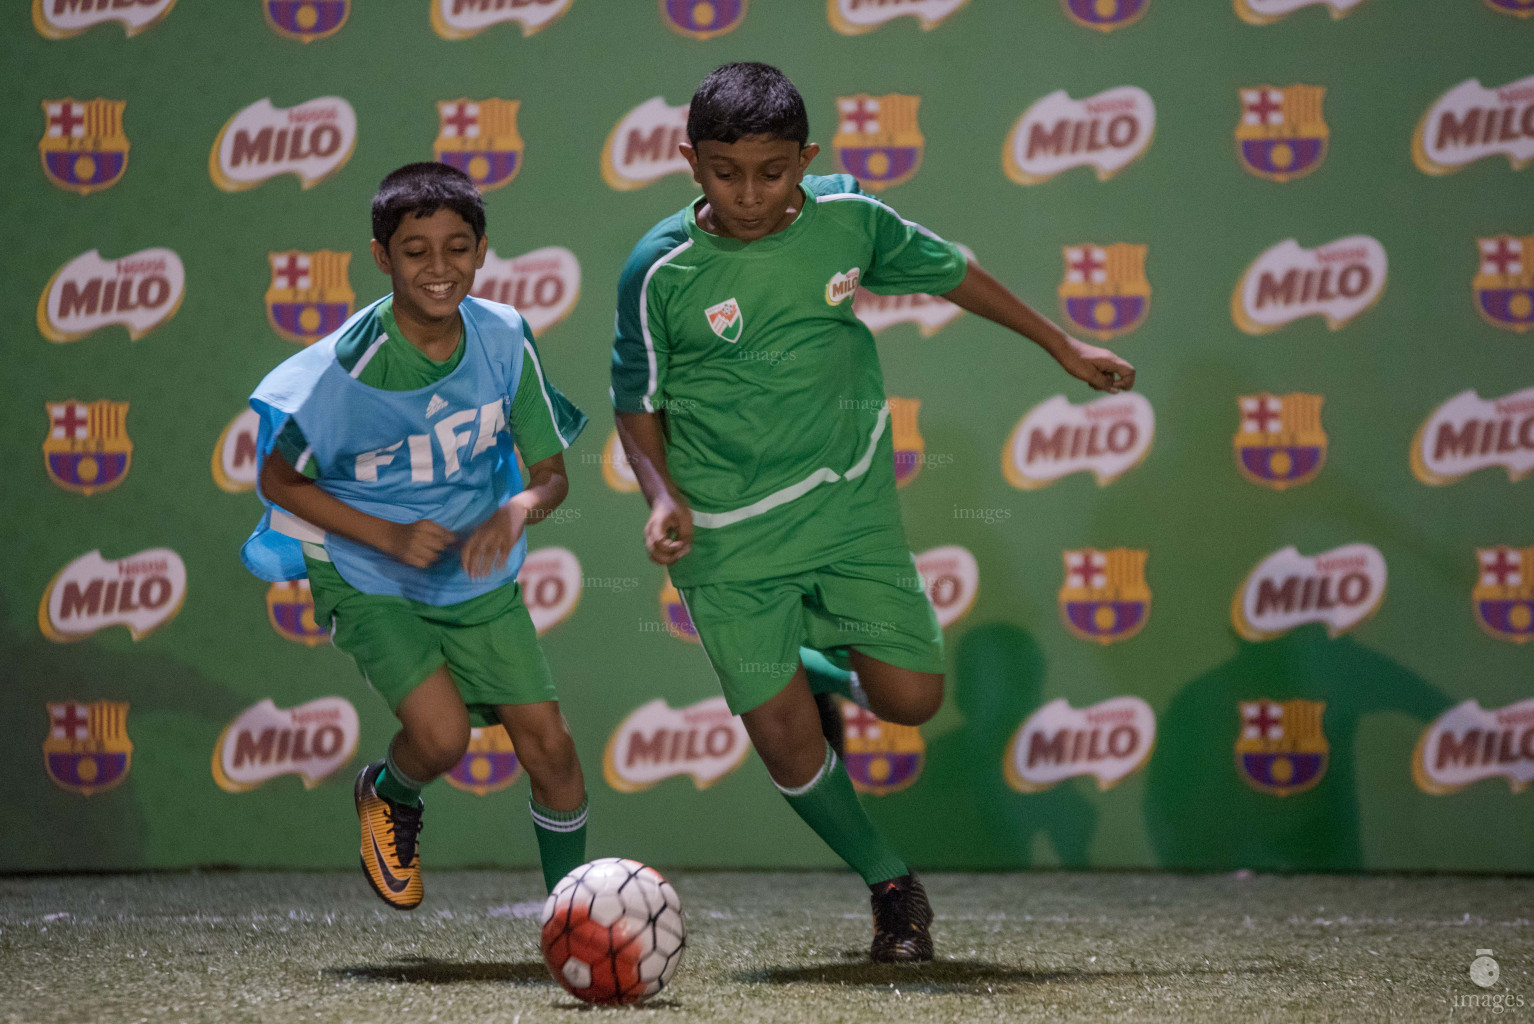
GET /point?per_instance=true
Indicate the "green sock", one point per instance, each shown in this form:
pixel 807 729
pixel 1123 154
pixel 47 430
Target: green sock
pixel 393 784
pixel 828 804
pixel 561 840
pixel 824 675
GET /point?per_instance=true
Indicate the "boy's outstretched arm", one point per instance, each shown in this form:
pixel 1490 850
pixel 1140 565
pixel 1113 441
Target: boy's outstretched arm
pixel 982 294
pixel 492 541
pixel 668 533
pixel 419 544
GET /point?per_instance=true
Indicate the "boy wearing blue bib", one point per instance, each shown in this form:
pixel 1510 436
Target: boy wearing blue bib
pixel 389 472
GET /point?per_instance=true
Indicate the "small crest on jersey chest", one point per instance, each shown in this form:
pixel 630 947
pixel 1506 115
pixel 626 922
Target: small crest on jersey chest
pixel 724 319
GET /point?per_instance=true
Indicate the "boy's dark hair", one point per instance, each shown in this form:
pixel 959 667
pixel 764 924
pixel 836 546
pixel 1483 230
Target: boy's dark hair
pixel 422 189
pixel 743 99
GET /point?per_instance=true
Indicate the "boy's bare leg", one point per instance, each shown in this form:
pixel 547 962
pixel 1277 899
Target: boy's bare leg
pixel 898 695
pixel 435 730
pixel 541 737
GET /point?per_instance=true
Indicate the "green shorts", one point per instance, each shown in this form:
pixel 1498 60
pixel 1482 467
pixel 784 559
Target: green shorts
pixel 488 643
pixel 753 630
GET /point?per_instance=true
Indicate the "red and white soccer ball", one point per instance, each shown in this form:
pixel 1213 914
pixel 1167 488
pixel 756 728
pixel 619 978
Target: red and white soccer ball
pixel 613 932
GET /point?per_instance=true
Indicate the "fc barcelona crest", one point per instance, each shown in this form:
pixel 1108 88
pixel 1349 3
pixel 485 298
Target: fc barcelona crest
pixel 1504 282
pixel 87 449
pixel 1280 443
pixel 877 139
pixel 1517 8
pixel 83 146
pixel 1281 134
pixel 1105 598
pixel 489 765
pixel 1105 15
pixel 880 757
pixel 310 295
pixel 703 19
pixel 1105 293
pixel 480 138
pixel 87 749
pixel 1504 593
pixel 290 608
pixel 1281 748
pixel 910 449
pixel 306 20
pixel 675 615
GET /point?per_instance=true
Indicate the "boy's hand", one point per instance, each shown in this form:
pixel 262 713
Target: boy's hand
pixel 420 543
pixel 493 541
pixel 668 534
pixel 1098 367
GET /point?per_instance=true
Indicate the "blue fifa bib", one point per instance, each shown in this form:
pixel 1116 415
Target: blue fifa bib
pixel 443 452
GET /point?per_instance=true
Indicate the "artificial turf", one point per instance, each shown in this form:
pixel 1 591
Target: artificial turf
pixel 784 947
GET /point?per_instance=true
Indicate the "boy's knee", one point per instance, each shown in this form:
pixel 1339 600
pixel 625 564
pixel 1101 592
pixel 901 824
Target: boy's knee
pixel 547 751
pixel 442 744
pixel 912 704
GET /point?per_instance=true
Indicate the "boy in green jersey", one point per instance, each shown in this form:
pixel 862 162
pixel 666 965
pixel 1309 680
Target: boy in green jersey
pixel 751 405
pixel 389 465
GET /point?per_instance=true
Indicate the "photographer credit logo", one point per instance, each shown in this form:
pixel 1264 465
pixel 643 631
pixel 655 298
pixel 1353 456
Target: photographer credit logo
pixel 1104 598
pixel 480 138
pixel 312 741
pixel 460 19
pixel 489 765
pixel 84 148
pixel 1341 588
pixel 1468 744
pixel 1337 281
pixel 310 295
pixel 61 19
pixel 656 742
pixel 877 139
pixel 1504 282
pixel 1108 741
pixel 951 577
pixel 1266 12
pixel 702 19
pixel 855 17
pixel 643 146
pixel 1282 134
pixel 140 291
pixel 1106 437
pixel 142 592
pixel 1469 433
pixel 1279 442
pixel 87 449
pixel 311 141
pixel 881 757
pixel 1281 748
pixel 1504 592
pixel 1104 292
pixel 87 749
pixel 550 579
pixel 543 284
pixel 1471 122
pixel 306 20
pixel 1107 132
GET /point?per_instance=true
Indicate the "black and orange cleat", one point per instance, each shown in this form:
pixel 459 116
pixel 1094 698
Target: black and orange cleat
pixel 390 858
pixel 901 918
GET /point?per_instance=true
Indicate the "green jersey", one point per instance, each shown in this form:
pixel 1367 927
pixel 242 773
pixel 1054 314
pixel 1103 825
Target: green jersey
pixel 777 426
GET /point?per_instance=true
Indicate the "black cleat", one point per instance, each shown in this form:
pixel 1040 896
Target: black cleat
pixel 831 727
pixel 901 917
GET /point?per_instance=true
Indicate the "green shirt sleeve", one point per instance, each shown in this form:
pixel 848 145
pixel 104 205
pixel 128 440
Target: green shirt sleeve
pixel 543 421
pixel 640 341
pixel 909 259
pixel 291 444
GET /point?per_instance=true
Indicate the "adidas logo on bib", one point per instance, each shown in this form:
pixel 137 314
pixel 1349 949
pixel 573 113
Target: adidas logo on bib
pixel 436 405
pixel 724 319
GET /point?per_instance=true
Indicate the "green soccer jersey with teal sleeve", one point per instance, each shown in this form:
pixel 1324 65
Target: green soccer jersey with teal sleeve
pixel 778 431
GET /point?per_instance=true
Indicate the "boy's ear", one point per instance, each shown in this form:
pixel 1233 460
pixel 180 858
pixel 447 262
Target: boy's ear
pixel 380 255
pixel 691 156
pixel 807 153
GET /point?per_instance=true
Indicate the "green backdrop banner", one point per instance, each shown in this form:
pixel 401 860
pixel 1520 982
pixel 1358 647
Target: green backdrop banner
pixel 1271 610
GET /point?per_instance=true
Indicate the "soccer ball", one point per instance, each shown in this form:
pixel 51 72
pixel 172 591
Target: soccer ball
pixel 613 932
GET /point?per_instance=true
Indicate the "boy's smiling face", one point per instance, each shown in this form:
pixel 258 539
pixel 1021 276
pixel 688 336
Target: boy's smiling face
pixel 751 185
pixel 431 261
